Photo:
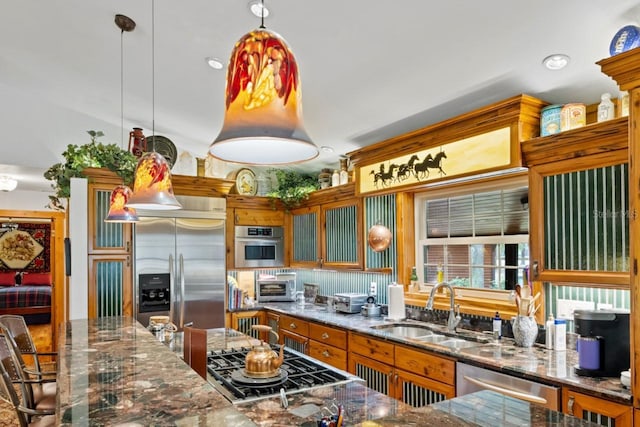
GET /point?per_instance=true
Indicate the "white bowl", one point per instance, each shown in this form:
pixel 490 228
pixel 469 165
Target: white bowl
pixel 625 378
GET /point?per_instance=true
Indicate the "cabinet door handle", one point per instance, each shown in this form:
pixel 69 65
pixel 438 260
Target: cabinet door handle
pixel 535 269
pixel 570 403
pixel 128 247
pixel 128 261
pixel 293 325
pixel 325 335
pixel 395 380
pixel 326 353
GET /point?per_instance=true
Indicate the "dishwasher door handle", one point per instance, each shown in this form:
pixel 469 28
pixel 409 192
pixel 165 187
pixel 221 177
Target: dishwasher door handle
pixel 507 391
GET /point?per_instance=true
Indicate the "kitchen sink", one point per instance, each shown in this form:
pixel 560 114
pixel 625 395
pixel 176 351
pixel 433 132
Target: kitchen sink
pixel 425 334
pixel 406 331
pixel 457 343
pixel 434 338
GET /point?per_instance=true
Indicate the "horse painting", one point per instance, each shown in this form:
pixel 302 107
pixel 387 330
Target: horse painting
pixel 406 169
pixel 430 162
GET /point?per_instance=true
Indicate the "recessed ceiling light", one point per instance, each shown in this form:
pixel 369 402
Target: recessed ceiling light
pixel 7 183
pixel 258 9
pixel 214 63
pixel 557 61
pixel 327 149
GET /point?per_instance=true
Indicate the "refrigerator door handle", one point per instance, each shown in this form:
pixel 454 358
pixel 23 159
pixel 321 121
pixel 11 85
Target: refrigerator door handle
pixel 181 291
pixel 171 289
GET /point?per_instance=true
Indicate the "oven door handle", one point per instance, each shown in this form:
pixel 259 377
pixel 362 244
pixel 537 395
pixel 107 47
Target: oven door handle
pixel 507 391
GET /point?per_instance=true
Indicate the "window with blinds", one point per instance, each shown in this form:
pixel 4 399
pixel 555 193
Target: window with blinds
pixel 479 238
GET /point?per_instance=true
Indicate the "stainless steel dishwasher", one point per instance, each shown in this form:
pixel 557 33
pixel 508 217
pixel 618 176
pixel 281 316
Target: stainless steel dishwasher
pixel 473 378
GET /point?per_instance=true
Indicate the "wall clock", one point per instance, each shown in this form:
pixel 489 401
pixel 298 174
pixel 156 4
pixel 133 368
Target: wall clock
pixel 246 183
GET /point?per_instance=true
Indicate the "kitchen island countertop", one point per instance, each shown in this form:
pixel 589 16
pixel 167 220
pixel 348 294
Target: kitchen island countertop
pixel 113 371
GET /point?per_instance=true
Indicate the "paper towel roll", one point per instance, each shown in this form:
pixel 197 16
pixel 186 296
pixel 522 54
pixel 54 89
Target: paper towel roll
pixel 396 302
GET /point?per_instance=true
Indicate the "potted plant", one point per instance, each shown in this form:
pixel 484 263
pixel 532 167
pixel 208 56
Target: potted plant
pixel 92 155
pixel 293 187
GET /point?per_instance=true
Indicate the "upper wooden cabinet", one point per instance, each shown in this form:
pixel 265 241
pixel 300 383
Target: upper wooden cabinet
pixel 327 231
pixel 263 217
pixel 579 205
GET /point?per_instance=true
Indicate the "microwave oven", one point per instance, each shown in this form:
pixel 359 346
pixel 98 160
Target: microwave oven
pixel 259 247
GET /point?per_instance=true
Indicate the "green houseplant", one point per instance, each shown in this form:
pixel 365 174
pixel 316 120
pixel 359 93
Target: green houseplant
pixel 92 155
pixel 293 187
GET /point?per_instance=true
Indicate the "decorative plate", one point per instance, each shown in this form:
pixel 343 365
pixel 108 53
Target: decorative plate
pixel 163 145
pixel 246 183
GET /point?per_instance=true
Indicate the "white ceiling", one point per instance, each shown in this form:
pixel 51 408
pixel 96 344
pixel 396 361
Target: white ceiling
pixel 369 69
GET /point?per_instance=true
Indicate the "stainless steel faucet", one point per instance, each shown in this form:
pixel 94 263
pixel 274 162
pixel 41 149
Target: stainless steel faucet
pixel 454 318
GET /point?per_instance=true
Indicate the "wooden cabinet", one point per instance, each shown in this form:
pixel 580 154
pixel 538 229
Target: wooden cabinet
pixel 294 333
pixel 295 341
pixel 266 217
pixel 417 378
pixel 328 345
pixel 600 411
pixel 109 252
pixel 273 320
pixel 327 232
pixel 579 205
pixel 242 321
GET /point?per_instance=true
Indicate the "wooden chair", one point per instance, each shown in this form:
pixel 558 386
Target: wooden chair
pixel 11 383
pixel 21 335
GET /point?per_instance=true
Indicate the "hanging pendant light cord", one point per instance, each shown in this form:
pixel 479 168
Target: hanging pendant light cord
pixel 153 77
pixel 262 15
pixel 122 89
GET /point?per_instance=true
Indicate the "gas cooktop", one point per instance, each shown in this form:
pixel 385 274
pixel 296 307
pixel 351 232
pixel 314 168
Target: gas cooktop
pixel 299 373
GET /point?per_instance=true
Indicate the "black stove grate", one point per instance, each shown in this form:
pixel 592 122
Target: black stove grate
pixel 303 373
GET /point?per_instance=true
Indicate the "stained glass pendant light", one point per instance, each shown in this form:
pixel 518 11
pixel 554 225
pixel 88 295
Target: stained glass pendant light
pixel 263 116
pixel 152 188
pixel 118 212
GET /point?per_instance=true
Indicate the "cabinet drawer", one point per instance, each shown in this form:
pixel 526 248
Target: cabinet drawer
pixel 293 324
pixel 426 365
pixel 371 348
pixel 328 335
pixel 328 354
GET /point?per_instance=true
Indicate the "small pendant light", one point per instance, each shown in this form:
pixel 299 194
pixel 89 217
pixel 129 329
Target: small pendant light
pixel 118 212
pixel 152 188
pixel 263 117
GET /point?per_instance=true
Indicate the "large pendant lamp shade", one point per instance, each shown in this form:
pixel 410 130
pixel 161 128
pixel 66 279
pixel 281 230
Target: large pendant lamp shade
pixel 263 116
pixel 118 211
pixel 152 187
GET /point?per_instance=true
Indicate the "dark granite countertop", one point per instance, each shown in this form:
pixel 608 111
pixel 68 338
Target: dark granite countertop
pixel 534 363
pixel 112 371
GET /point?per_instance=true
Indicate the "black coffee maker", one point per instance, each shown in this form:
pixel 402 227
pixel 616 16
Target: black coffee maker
pixel 603 342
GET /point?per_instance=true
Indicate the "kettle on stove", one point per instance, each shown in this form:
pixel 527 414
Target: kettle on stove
pixel 262 361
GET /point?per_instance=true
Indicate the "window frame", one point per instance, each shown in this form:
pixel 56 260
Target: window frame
pixel 472 300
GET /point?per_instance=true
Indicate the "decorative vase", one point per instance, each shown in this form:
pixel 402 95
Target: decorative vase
pixel 525 330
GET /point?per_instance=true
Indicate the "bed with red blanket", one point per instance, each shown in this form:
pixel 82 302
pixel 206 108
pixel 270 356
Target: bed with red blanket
pixel 27 295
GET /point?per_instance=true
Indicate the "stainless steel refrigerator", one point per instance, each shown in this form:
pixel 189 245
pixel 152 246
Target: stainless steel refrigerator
pixel 180 263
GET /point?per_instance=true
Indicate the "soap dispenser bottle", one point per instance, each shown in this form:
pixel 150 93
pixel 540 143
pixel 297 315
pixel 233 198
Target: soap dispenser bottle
pixel 497 326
